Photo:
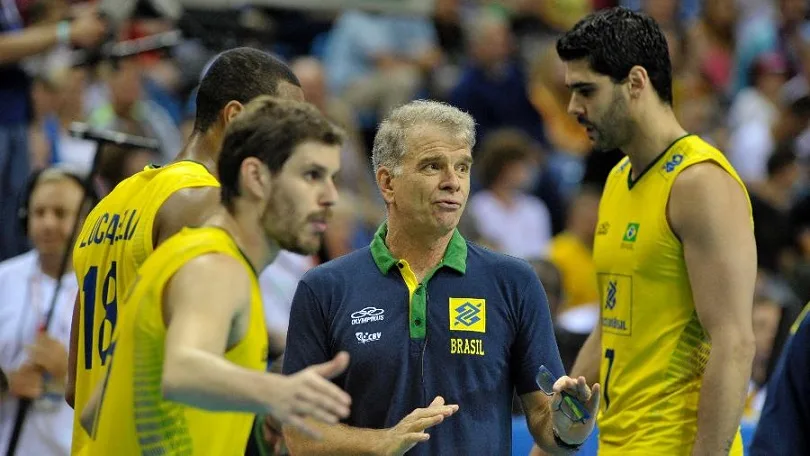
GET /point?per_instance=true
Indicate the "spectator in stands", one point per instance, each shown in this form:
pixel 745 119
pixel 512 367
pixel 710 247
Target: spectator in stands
pixel 376 61
pixel 770 204
pixel 711 41
pixel 128 109
pixel 767 313
pixel 493 87
pixel 505 213
pixel 749 150
pixel 760 102
pixel 783 31
pixel 550 96
pixel 51 141
pixel 118 163
pixel 754 115
pixel 44 105
pixel 36 362
pixel 572 251
pixel 16 44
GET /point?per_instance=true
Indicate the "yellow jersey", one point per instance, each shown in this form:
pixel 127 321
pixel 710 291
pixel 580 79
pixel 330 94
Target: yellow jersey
pixel 575 261
pixel 133 418
pixel 114 241
pixel 654 348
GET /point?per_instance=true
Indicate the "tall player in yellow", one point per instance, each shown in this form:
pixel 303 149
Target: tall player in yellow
pixel 674 252
pixel 148 208
pixel 187 365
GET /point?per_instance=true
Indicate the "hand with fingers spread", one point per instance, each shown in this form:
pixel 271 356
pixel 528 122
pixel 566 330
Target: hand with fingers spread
pixel 571 431
pixel 411 430
pixel 310 394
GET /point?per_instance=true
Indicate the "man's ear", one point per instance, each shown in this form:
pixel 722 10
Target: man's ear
pixel 231 110
pixel 384 182
pixel 256 180
pixel 638 79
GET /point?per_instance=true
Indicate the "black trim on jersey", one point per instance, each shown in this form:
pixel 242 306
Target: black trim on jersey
pixel 154 166
pixel 632 183
pixel 230 236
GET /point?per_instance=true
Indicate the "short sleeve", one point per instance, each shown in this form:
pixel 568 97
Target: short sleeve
pixel 535 344
pixel 307 340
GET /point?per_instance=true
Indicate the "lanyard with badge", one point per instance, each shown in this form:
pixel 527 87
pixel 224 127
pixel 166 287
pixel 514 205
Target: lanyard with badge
pixel 53 389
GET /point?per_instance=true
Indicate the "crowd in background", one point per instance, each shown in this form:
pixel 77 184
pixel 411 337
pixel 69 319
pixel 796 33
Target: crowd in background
pixel 741 71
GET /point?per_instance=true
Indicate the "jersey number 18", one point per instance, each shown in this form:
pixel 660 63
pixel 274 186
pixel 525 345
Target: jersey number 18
pixel 110 303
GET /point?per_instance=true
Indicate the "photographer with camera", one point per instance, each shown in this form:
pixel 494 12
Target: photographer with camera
pixel 17 43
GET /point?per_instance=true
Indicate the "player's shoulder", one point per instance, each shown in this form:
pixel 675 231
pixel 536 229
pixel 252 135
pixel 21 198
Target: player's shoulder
pixel 191 240
pixel 691 149
pixel 186 167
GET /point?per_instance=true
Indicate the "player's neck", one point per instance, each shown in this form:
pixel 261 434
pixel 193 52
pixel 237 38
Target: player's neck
pixel 50 265
pixel 423 251
pixel 653 136
pixel 248 234
pixel 202 147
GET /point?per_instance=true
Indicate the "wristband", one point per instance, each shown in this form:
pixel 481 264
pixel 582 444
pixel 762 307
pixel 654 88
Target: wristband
pixel 63 32
pixel 562 443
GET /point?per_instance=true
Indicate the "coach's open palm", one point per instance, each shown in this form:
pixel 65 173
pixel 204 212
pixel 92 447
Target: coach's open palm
pixel 571 431
pixel 310 394
pixel 411 429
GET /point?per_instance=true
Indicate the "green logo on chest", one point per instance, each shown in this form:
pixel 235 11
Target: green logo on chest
pixel 631 233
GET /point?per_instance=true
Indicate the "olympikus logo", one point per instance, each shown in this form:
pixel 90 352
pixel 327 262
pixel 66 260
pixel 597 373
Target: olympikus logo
pixel 366 315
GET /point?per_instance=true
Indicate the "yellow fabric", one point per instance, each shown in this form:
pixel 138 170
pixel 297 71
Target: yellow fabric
pixel 804 313
pixel 134 419
pixel 575 262
pixel 409 278
pixel 113 243
pixel 653 345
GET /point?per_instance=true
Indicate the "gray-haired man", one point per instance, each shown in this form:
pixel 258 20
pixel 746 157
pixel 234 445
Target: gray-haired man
pixel 438 329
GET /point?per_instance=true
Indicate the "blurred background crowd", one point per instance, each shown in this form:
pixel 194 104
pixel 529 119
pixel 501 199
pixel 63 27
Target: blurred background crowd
pixel 741 72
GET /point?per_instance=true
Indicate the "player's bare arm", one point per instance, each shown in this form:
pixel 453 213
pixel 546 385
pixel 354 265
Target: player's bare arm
pixel 186 207
pixel 589 357
pixel 342 440
pixel 205 318
pixel 70 385
pixel 708 211
pixel 544 417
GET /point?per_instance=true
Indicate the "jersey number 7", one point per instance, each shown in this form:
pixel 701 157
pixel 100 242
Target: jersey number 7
pixel 110 303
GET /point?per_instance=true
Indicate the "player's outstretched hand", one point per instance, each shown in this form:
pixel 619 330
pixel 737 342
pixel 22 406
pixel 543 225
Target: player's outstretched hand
pixel 411 429
pixel 310 394
pixel 571 431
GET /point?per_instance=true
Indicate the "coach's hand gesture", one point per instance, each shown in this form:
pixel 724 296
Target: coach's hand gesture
pixel 310 394
pixel 411 429
pixel 570 430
